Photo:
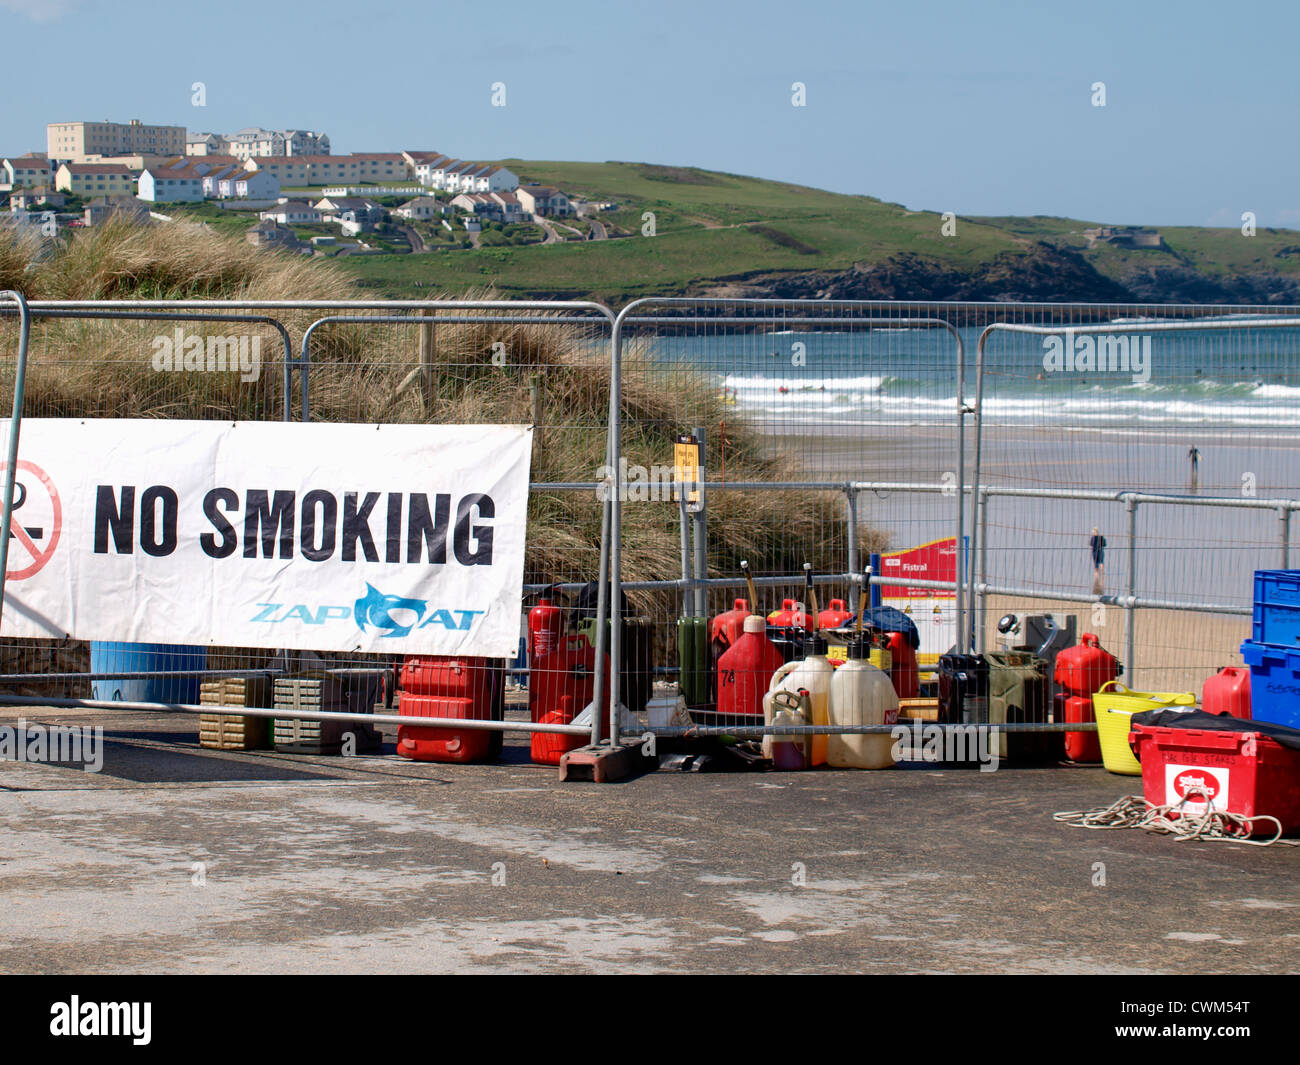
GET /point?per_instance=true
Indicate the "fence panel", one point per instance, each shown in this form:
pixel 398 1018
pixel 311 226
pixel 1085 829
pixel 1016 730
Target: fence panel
pixel 398 362
pixel 113 360
pixel 829 430
pixel 1172 438
pixel 491 362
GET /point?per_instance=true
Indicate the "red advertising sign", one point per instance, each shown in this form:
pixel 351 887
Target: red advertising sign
pixel 935 561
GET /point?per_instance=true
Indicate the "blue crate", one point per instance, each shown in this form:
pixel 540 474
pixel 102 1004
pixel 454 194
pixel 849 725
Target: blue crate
pixel 1276 618
pixel 1274 682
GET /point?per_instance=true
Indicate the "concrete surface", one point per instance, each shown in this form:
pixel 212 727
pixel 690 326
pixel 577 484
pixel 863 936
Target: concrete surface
pixel 379 865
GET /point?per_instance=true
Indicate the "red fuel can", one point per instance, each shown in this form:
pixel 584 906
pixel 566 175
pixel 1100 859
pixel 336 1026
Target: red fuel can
pixel 905 673
pixel 784 618
pixel 1228 692
pixel 569 670
pixel 1080 672
pixel 727 627
pixel 547 748
pixel 745 670
pixel 835 615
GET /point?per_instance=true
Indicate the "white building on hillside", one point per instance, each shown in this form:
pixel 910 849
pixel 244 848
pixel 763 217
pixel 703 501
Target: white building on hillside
pixel 256 185
pixel 422 209
pixel 292 213
pixel 543 200
pixel 178 185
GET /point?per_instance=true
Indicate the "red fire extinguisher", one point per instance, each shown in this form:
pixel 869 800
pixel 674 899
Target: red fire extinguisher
pixel 545 627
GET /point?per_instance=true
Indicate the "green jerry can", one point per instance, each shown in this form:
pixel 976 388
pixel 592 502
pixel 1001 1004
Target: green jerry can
pixel 637 677
pixel 1018 692
pixel 693 661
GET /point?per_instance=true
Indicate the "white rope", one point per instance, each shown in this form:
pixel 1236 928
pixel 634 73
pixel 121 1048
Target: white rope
pixel 1133 811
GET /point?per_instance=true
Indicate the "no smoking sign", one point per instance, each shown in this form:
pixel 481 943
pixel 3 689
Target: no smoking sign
pixel 37 521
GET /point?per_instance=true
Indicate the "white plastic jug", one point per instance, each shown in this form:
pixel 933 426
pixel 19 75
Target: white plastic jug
pixel 813 673
pixel 861 694
pixel 790 752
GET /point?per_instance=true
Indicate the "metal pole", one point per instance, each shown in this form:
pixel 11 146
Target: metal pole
pixel 1130 613
pixel 851 497
pixel 426 361
pixel 961 487
pixel 602 605
pixel 1284 519
pixel 614 550
pixel 688 600
pixel 701 538
pixel 983 536
pixel 975 476
pixel 15 426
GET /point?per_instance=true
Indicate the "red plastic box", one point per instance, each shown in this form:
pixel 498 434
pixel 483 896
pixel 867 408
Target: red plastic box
pixel 1244 773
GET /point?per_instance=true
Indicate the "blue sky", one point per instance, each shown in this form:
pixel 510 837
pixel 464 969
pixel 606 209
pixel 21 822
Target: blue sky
pixel 949 106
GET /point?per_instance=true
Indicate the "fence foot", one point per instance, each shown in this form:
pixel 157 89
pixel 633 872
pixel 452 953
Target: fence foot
pixel 604 765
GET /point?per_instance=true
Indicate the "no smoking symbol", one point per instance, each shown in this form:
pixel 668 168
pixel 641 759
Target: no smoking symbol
pixel 37 520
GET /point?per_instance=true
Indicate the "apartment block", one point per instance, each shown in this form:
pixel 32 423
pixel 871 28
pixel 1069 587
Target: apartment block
pixel 72 142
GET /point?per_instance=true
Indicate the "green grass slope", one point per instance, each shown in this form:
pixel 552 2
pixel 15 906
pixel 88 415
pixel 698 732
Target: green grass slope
pixel 713 227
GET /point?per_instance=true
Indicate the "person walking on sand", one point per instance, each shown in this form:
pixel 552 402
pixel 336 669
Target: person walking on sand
pixel 1194 454
pixel 1098 546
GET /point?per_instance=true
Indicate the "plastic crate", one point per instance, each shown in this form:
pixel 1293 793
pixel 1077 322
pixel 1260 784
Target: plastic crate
pixel 344 691
pixel 1243 773
pixel 1274 682
pixel 227 732
pixel 1276 617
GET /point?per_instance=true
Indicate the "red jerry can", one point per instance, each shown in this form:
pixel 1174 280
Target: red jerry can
pixel 725 630
pixel 464 688
pixel 1080 672
pixel 905 672
pixel 548 747
pixel 568 670
pixel 727 627
pixel 745 671
pixel 834 615
pixel 1228 692
pixel 784 617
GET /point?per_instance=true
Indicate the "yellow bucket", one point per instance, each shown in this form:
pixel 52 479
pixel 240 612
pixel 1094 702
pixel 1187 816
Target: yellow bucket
pixel 1113 706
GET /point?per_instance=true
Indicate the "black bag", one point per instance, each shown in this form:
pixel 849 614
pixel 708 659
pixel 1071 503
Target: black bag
pixel 1192 717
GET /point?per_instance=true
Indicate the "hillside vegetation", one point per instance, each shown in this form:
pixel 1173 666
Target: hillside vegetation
pixel 88 368
pixel 717 232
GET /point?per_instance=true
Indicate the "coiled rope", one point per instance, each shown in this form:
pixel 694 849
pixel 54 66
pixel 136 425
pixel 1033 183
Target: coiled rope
pixel 1133 811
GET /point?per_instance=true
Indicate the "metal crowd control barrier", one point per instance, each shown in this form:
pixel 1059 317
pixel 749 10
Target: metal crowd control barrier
pixel 596 314
pixel 973 585
pixel 1130 601
pixel 219 310
pixel 798 313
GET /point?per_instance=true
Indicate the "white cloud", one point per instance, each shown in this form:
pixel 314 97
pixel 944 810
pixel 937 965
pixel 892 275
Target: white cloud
pixel 41 10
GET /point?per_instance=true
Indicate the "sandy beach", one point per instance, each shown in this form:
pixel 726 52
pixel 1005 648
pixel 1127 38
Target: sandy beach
pixel 1184 553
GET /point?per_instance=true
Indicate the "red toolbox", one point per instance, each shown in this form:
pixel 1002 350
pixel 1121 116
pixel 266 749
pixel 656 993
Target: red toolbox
pixel 1244 773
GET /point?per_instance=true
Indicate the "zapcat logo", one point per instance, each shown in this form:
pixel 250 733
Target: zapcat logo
pixel 393 615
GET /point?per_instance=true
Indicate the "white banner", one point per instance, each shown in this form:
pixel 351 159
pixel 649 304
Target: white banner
pixel 401 539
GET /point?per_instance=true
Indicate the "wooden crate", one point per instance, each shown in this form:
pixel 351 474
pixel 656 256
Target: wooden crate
pixel 228 732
